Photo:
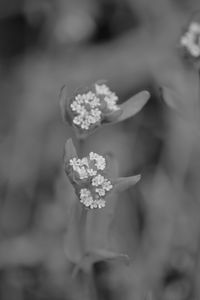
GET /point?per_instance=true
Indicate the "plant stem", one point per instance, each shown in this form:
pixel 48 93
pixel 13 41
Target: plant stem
pixel 82 233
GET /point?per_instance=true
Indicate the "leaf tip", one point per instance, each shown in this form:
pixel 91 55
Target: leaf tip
pixel 146 94
pixel 137 178
pixel 70 150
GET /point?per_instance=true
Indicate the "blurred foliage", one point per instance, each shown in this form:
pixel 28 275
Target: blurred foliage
pixel 132 44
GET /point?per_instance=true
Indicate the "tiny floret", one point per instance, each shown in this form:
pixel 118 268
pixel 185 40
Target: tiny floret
pixel 86 197
pixel 79 166
pixel 98 180
pixel 100 161
pixel 100 191
pixel 110 97
pixel 88 176
pixel 107 186
pixel 88 109
pixel 191 40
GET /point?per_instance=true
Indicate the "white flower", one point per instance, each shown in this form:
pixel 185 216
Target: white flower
pixel 79 99
pixel 75 106
pixel 94 186
pixel 191 39
pixel 107 186
pixel 98 180
pixel 100 191
pixel 92 172
pixel 92 100
pixel 96 113
pixel 84 161
pixel 101 203
pixel 83 168
pixel 102 89
pixel 100 161
pixel 110 97
pixel 83 173
pixel 86 197
pixel 194 27
pixel 79 166
pixel 74 162
pixel 111 102
pixel 98 203
pixel 87 109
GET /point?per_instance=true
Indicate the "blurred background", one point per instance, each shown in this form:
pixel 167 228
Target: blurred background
pixel 134 45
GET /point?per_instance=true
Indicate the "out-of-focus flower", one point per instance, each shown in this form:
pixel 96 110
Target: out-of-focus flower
pixel 97 105
pixel 88 175
pixel 191 40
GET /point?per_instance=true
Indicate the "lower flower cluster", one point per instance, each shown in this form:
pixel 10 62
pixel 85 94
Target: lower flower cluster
pixel 88 177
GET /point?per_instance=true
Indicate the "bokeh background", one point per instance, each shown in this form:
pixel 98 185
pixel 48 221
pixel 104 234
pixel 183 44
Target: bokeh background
pixel 134 45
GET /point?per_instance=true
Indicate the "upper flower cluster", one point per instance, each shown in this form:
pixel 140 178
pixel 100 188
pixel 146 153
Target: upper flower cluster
pixel 88 176
pixel 191 39
pixel 96 106
pixel 88 109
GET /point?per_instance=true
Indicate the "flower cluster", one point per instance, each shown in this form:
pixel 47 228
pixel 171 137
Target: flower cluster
pixel 93 177
pixel 88 109
pixel 95 106
pixel 88 176
pixel 191 39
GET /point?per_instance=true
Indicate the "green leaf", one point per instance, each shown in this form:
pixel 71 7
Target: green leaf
pixel 62 101
pixel 70 151
pixel 112 165
pixel 65 105
pixel 123 183
pixel 133 105
pixel 112 117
